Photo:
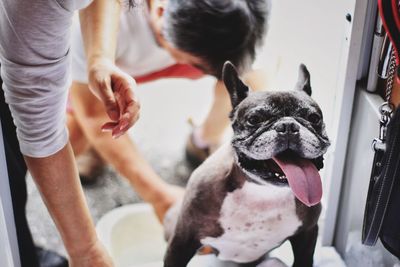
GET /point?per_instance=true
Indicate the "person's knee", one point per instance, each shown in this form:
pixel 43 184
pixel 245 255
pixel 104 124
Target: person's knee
pixel 92 123
pixel 88 110
pixel 73 127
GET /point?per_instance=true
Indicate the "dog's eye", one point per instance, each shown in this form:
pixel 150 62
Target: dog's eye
pixel 255 119
pixel 314 118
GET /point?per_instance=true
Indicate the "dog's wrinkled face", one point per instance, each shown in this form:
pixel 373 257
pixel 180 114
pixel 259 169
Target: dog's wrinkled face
pixel 266 124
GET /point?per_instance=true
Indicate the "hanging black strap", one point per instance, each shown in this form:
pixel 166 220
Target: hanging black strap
pixel 382 211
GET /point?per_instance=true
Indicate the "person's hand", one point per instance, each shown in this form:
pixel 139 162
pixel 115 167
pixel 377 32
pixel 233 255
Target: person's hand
pixel 95 256
pixel 115 89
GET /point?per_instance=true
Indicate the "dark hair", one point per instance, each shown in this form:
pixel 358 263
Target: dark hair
pixel 132 4
pixel 217 30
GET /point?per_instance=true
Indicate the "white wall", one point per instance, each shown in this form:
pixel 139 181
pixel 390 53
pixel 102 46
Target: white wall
pixel 309 32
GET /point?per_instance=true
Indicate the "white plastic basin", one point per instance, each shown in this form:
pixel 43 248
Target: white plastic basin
pixel 134 238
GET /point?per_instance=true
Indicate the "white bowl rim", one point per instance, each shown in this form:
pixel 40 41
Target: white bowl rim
pixel 106 223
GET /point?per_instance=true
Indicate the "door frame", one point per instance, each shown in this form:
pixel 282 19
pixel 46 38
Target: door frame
pixel 9 252
pixel 359 20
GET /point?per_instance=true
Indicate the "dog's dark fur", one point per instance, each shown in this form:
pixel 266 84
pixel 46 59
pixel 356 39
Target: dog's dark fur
pixel 265 124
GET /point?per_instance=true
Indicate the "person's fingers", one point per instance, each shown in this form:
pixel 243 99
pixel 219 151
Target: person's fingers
pixel 127 101
pixel 129 116
pixel 126 121
pixel 124 125
pixel 107 96
pixel 115 90
pixel 109 126
pixel 131 107
pixel 120 101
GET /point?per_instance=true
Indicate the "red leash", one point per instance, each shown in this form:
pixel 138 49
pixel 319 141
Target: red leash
pixel 390 14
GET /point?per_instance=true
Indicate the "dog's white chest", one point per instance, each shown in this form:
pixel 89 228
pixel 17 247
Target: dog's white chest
pixel 255 219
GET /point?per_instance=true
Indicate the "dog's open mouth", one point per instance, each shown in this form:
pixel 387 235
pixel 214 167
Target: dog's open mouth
pixel 288 168
pixel 301 175
pixel 275 173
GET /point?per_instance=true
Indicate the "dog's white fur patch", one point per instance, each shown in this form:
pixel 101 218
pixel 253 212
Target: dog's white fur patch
pixel 255 219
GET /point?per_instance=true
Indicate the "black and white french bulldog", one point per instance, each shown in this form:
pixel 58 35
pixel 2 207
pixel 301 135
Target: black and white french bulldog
pixel 261 189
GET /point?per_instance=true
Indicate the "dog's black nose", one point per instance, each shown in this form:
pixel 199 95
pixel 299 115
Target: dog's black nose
pixel 294 127
pixel 287 128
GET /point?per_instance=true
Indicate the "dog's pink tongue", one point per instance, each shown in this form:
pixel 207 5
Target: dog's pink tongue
pixel 303 178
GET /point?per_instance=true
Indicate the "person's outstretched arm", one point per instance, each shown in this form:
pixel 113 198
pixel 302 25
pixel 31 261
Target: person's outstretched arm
pixel 56 177
pixel 111 85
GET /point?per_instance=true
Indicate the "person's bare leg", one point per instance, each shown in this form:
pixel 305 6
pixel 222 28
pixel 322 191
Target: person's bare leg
pixel 77 138
pixel 88 161
pixel 217 120
pixel 122 153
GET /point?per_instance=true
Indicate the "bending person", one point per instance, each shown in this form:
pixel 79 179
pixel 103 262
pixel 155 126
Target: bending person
pixel 161 39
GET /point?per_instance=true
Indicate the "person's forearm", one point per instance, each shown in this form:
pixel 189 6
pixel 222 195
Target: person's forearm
pixel 57 179
pixel 99 25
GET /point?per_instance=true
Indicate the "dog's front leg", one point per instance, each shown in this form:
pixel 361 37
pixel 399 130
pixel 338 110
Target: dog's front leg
pixel 180 251
pixel 303 245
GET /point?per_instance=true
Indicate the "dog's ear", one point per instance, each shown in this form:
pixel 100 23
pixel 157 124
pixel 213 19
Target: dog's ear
pixel 236 88
pixel 303 82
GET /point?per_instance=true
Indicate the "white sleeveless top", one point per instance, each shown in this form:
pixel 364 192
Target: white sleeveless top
pixel 137 52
